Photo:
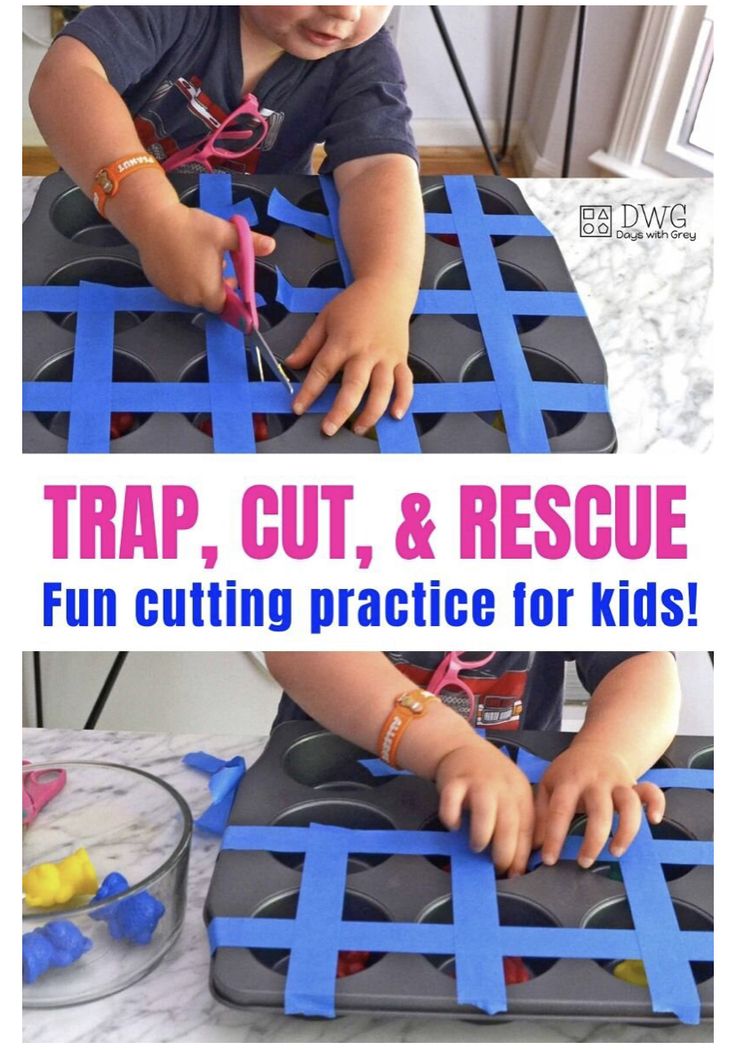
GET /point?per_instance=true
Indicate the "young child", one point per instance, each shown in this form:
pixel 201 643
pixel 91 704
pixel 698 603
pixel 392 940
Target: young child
pixel 121 80
pixel 631 719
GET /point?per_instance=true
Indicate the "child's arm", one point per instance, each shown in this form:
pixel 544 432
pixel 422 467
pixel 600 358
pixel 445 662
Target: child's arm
pixel 87 125
pixel 364 331
pixel 631 720
pixel 352 693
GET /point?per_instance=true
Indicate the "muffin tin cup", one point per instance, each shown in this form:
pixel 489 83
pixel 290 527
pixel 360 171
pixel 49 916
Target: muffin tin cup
pixel 65 240
pixel 307 772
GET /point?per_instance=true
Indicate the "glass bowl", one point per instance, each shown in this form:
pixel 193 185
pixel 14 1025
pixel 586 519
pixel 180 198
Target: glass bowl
pixel 129 822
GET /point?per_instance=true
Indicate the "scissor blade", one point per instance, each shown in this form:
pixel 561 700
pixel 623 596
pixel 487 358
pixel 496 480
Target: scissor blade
pixel 262 347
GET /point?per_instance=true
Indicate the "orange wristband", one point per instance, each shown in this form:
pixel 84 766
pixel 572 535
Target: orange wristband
pixel 107 180
pixel 406 708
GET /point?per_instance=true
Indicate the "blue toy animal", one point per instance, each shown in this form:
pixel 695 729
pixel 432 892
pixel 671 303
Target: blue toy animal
pixel 134 919
pixel 57 944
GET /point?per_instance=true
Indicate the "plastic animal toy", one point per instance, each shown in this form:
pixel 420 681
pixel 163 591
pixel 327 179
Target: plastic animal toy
pixel 632 971
pixel 56 883
pixel 134 919
pixel 350 962
pixel 515 971
pixel 55 945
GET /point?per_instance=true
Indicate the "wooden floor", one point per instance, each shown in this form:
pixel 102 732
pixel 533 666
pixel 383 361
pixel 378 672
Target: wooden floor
pixel 449 160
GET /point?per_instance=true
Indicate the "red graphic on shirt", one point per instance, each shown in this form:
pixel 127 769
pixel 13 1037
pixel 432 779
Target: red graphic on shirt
pixel 153 121
pixel 497 702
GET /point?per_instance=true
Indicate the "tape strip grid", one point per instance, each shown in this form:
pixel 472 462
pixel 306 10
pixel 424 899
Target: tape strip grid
pixel 231 397
pixel 475 937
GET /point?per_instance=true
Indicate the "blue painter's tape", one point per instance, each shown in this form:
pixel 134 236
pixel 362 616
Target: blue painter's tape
pixel 493 225
pixel 225 776
pixel 89 406
pixel 310 979
pixel 63 299
pixel 429 938
pixel 247 209
pixel 666 851
pixel 229 932
pixel 284 211
pixel 46 396
pixel 302 300
pixel 143 299
pixel 442 301
pixel 230 399
pixel 544 304
pixel 683 778
pixel 377 768
pixel 532 766
pixel 216 193
pixel 572 397
pixel 494 305
pixel 671 983
pixel 522 419
pixel 478 954
pixel 455 397
pixel 398 435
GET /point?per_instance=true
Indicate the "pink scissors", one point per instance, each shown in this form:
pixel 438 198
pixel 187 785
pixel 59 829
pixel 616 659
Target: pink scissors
pixel 240 309
pixel 39 787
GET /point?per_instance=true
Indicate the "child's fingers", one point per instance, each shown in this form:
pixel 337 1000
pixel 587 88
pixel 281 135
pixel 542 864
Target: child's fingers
pixel 628 806
pixel 213 296
pixel 505 831
pixel 652 796
pixel 309 345
pixel 599 817
pixel 451 804
pixel 524 840
pixel 230 241
pixel 561 809
pixel 381 385
pixel 484 814
pixel 403 391
pixel 355 379
pixel 541 805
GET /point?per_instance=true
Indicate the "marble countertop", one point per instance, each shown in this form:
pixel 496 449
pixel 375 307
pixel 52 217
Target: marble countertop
pixel 173 1003
pixel 648 302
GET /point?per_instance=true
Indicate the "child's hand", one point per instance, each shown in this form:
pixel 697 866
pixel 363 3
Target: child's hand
pixel 182 254
pixel 480 778
pixel 590 779
pixel 363 332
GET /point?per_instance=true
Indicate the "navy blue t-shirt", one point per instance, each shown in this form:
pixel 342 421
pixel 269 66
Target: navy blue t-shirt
pixel 180 72
pixel 510 690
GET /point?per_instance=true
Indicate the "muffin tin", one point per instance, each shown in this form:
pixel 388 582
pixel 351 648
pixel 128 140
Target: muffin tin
pixel 328 851
pixel 503 356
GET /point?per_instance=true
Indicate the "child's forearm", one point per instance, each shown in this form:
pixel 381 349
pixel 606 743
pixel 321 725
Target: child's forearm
pixel 382 222
pixel 352 693
pixel 86 125
pixel 633 713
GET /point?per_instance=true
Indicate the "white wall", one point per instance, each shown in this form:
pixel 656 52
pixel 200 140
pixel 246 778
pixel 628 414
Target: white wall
pixel 155 692
pixel 220 692
pixel 36 31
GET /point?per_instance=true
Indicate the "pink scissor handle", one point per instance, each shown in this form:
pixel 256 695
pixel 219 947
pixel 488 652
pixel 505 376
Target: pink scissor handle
pixel 240 309
pixel 39 787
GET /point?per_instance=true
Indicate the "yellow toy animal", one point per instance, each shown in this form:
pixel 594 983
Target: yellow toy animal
pixel 56 883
